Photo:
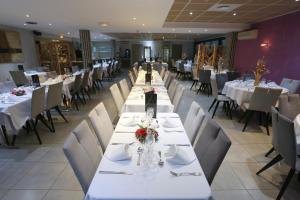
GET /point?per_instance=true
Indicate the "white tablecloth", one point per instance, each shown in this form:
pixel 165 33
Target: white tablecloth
pixel 297 132
pixel 241 91
pixel 156 79
pixel 136 100
pixel 15 110
pixel 42 75
pixel 67 84
pixel 154 183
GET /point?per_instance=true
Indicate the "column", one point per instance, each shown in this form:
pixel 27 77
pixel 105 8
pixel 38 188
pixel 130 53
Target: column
pixel 86 47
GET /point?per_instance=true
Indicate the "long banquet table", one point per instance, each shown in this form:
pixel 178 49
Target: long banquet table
pixel 136 100
pixel 155 182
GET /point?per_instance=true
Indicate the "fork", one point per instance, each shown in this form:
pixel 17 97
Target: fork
pixel 114 172
pixel 185 173
pixel 120 143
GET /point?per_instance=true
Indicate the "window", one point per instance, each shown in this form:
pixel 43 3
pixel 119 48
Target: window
pixel 147 53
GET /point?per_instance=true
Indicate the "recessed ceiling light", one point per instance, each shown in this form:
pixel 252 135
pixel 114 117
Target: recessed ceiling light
pixel 190 31
pixel 27 15
pixel 68 33
pixel 191 13
pixel 50 24
pixel 61 36
pixel 104 24
pixel 205 30
pixel 25 24
pixel 134 18
pixel 143 24
pixel 234 14
pixel 297 0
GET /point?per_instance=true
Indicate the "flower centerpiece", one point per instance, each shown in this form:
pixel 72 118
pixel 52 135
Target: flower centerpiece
pixel 146 132
pixel 260 70
pixel 18 92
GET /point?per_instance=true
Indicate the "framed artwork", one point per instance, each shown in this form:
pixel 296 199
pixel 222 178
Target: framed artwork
pixel 10 47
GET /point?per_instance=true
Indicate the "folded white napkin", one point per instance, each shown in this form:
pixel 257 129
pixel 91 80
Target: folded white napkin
pixel 170 123
pixel 130 121
pixel 119 152
pixel 178 156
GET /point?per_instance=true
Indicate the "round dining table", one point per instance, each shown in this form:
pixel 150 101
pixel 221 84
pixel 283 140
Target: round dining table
pixel 241 91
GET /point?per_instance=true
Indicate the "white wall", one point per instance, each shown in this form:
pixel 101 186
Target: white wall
pixel 28 49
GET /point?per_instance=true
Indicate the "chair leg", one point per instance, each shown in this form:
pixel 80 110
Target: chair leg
pixel 213 103
pixel 248 118
pixel 49 116
pixel 87 93
pixel 60 113
pixel 83 97
pixel 217 105
pixel 286 183
pixel 270 164
pixel 228 109
pixel 193 85
pixel 75 102
pixel 5 134
pixel 43 120
pixel 243 116
pixel 35 131
pixel 269 152
pixel 267 123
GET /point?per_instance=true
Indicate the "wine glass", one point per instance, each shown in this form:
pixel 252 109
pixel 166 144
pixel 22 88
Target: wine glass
pixel 150 113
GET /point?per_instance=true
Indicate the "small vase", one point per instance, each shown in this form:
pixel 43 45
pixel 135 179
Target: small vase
pixel 257 79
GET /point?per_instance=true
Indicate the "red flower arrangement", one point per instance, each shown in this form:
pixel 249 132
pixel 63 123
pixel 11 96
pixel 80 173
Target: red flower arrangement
pixel 18 92
pixel 141 134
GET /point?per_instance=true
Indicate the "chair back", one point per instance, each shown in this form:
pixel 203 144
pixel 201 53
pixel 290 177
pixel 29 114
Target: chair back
pixel 211 148
pixel 214 87
pixel 248 76
pixel 95 75
pixel 135 71
pixel 274 95
pixel 19 78
pixel 37 101
pixel 77 83
pixel 274 127
pixel 124 88
pixel 167 74
pixel 169 80
pixel 100 73
pixel 54 95
pixel 221 80
pixel 102 125
pixel 118 99
pixel 172 89
pixel 195 73
pixel 83 154
pixel 287 143
pixel 131 78
pixel 204 76
pixel 193 121
pixel 85 79
pixel 292 85
pixel 289 105
pixel 260 100
pixel 162 72
pixel 232 75
pixel 177 96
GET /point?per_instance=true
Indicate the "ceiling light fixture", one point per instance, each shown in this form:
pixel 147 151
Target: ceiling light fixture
pixel 50 24
pixel 134 18
pixel 173 29
pixel 27 15
pixel 68 33
pixel 104 24
pixel 61 36
pixel 205 30
pixel 143 24
pixel 190 31
pixel 297 0
pixel 25 24
pixel 191 13
pixel 234 14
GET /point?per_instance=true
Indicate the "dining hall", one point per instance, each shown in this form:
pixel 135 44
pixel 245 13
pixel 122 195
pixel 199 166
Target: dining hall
pixel 149 100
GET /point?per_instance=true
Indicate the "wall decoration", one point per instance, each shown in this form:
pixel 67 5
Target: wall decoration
pixel 10 47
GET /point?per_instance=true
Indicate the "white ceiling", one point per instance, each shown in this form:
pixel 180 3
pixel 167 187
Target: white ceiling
pixel 72 15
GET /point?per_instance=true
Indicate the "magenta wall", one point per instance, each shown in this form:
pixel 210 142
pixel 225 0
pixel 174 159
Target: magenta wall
pixel 283 54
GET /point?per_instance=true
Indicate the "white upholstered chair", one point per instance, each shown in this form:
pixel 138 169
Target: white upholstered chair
pixel 177 96
pixel 124 88
pixel 118 99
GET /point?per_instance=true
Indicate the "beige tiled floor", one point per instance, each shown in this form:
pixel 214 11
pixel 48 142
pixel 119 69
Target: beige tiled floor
pixel 36 172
